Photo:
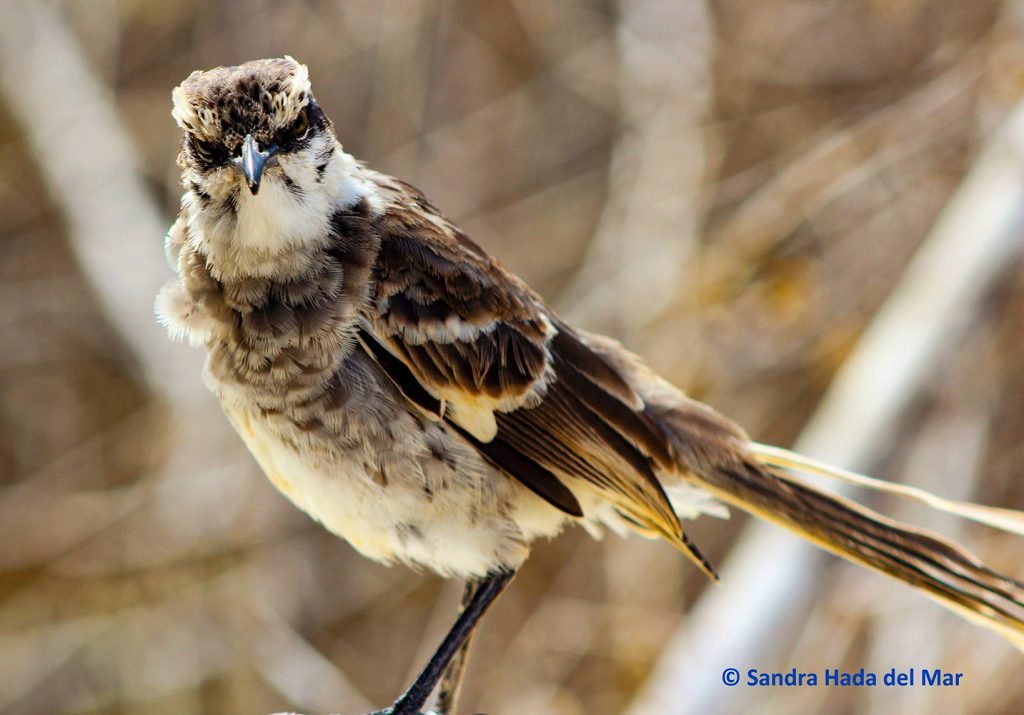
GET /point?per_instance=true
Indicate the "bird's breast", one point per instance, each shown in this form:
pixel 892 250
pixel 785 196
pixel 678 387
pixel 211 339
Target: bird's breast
pixel 395 486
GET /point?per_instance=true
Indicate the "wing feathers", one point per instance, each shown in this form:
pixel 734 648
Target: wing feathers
pixel 400 375
pixel 534 476
pixel 526 390
pixel 636 426
pixel 599 371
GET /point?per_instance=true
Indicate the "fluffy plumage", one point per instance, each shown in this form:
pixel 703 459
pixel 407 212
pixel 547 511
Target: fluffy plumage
pixel 397 383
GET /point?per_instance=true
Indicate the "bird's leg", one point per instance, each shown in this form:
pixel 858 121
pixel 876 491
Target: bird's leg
pixel 411 702
pixel 451 681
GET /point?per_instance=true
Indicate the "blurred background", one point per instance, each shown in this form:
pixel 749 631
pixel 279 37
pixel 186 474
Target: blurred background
pixel 733 189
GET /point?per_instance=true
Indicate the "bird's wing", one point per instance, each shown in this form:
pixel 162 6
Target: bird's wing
pixel 469 343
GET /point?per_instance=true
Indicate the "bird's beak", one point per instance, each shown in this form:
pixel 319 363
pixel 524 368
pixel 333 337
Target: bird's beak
pixel 253 161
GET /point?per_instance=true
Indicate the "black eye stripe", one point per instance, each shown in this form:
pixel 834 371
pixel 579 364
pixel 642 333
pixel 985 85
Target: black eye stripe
pixel 207 152
pixel 296 136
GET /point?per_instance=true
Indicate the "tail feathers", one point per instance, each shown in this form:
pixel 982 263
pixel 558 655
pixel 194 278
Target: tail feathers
pixel 941 569
pixel 1008 520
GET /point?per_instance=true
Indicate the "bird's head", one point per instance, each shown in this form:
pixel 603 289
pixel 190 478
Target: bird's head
pixel 251 124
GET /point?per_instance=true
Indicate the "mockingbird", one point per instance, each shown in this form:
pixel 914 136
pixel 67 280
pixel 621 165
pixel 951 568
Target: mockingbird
pixel 399 385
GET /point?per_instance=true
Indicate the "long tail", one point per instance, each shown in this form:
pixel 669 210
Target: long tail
pixel 747 476
pixel 1009 520
pixel 949 574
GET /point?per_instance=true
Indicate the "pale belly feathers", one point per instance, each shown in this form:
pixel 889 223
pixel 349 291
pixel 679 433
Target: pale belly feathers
pixel 420 495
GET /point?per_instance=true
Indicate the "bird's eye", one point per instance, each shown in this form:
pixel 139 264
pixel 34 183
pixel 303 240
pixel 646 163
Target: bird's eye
pixel 207 151
pixel 301 126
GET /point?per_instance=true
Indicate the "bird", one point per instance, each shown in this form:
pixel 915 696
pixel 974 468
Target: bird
pixel 398 384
